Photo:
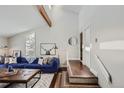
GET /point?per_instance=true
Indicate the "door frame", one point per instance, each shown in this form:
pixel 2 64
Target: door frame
pixel 87 46
pixel 81 46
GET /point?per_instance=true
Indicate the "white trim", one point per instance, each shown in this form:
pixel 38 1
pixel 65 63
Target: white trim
pixel 94 72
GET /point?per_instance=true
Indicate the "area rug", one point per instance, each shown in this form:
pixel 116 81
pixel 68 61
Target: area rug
pixel 44 82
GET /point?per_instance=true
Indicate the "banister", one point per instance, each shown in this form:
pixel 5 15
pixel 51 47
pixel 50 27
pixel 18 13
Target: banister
pixel 110 77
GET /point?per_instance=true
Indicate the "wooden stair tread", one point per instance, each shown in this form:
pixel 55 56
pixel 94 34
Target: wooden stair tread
pixel 77 69
pixel 65 83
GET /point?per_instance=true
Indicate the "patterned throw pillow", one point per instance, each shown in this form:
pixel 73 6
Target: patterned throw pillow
pixel 12 60
pixel 9 60
pixel 47 60
pixel 31 60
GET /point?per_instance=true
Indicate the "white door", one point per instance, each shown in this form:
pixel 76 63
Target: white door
pixel 87 46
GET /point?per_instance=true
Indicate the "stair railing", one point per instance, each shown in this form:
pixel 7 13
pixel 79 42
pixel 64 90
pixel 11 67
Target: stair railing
pixel 108 73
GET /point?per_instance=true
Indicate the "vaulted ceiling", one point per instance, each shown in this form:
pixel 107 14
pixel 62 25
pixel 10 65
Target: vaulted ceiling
pixel 72 8
pixel 16 19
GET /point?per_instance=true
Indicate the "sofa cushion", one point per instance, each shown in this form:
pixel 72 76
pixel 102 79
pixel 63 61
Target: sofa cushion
pixel 14 65
pixel 33 66
pixel 2 65
pixel 21 60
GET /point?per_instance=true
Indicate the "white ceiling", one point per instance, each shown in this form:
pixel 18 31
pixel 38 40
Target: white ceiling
pixel 73 8
pixel 17 19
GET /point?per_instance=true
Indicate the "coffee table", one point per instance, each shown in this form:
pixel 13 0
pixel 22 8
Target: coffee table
pixel 22 76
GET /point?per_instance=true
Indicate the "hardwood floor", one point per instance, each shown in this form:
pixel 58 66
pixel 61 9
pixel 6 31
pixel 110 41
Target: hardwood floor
pixel 58 80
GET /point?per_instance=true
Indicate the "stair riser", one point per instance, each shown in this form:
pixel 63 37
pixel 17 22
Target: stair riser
pixel 65 83
pixel 83 81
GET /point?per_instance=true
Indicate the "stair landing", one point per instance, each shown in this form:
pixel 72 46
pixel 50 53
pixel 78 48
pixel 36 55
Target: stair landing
pixel 79 73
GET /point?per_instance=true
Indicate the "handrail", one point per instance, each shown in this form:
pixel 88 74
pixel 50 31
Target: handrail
pixel 110 77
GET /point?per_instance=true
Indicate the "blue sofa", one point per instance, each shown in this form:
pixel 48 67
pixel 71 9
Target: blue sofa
pixel 22 63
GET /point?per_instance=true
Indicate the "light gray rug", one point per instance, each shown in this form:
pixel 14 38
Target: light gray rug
pixel 44 82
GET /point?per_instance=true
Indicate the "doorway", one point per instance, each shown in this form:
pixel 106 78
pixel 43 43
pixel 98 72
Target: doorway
pixel 87 46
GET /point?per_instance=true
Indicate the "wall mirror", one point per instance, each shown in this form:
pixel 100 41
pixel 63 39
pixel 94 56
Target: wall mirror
pixel 73 41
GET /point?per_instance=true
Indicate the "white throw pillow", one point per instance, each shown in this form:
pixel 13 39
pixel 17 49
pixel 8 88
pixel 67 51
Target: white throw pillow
pixel 40 61
pixel 31 60
pixel 28 59
pixel 12 60
pixel 6 60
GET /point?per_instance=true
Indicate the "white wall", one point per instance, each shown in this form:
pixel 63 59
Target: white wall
pixel 107 25
pixel 65 25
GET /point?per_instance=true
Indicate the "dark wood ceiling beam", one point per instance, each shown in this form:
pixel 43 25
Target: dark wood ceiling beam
pixel 44 14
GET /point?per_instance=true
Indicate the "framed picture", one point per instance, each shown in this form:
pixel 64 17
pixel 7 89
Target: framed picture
pixel 48 48
pixel 16 53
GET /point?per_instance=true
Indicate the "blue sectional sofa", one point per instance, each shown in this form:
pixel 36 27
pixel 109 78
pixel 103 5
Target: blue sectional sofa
pixel 22 63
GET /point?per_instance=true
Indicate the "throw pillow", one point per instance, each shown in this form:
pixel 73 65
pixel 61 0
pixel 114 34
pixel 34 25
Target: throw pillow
pixel 6 60
pixel 31 60
pixel 47 60
pixel 12 60
pixel 40 61
pixel 23 60
pixel 28 59
pixel 35 61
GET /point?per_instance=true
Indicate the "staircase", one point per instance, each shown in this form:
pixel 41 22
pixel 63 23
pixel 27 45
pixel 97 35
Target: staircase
pixel 78 76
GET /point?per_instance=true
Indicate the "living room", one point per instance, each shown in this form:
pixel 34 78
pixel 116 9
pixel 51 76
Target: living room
pixel 30 36
pixel 83 46
pixel 59 33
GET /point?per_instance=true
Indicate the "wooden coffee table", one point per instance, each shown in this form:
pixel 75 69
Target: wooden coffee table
pixel 22 76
